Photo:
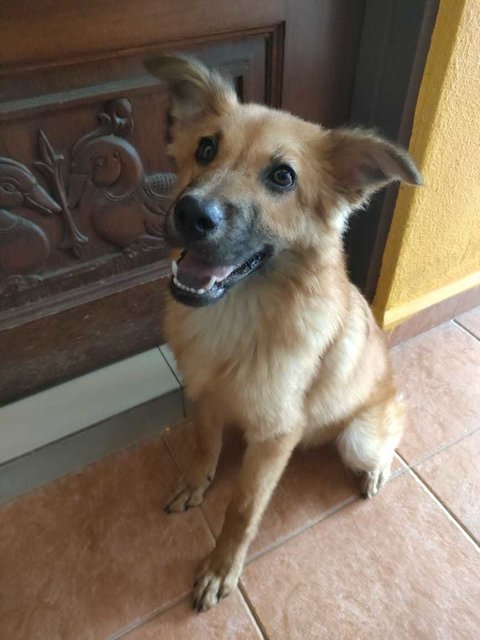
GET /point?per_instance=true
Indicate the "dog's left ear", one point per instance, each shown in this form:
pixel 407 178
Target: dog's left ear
pixel 195 90
pixel 361 162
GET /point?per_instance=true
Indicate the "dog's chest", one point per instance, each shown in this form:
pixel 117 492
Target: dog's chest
pixel 216 345
pixel 252 364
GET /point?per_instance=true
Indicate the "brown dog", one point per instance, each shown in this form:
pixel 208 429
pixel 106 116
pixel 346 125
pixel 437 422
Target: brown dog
pixel 267 330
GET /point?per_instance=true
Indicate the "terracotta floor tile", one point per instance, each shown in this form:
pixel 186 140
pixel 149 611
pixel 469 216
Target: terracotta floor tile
pixel 230 621
pixel 86 555
pixel 454 476
pixel 314 482
pixel 393 567
pixel 471 321
pixel 438 373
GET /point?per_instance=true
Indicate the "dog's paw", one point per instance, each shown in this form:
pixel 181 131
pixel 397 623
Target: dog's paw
pixel 187 495
pixel 373 481
pixel 214 583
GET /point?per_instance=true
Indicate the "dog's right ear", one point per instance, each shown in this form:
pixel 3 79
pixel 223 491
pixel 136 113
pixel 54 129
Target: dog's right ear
pixel 195 91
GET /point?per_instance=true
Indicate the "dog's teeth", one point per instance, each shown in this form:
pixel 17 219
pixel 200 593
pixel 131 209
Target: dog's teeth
pixel 174 268
pixel 179 284
pixel 210 284
pixel 185 288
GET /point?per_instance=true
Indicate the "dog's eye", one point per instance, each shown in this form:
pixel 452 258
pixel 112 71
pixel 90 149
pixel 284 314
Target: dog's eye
pixel 282 177
pixel 206 150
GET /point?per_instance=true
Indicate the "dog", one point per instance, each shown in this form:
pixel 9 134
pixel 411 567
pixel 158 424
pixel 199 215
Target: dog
pixel 267 330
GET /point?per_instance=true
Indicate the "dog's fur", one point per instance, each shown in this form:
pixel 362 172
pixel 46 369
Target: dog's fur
pixel 292 354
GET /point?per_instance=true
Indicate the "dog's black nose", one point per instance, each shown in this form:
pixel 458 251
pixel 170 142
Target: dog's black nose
pixel 196 219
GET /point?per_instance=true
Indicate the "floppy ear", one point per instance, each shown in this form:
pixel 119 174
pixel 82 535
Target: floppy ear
pixel 195 90
pixel 361 163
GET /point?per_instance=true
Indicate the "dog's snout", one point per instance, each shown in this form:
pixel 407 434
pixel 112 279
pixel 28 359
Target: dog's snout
pixel 195 219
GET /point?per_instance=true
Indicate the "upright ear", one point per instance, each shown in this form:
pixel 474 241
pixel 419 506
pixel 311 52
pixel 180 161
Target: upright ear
pixel 360 163
pixel 195 91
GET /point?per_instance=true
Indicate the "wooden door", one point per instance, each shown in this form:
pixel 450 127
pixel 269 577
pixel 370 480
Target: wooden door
pixel 84 177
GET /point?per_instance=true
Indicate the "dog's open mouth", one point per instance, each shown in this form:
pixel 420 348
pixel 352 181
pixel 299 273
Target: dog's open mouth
pixel 196 282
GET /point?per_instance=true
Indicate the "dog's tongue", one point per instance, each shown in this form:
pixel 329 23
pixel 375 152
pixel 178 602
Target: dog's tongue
pixel 195 272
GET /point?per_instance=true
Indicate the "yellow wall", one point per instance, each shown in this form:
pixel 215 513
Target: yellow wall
pixel 433 249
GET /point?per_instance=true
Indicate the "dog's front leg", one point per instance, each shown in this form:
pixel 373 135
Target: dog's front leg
pixel 262 468
pixel 197 478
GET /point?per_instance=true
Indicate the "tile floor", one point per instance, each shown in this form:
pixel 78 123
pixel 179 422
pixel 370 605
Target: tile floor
pixel 93 556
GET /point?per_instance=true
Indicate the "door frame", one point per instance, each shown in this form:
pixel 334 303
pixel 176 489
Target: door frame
pixel 394 46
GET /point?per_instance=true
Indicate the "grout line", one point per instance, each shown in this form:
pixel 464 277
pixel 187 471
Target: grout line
pixel 312 523
pixel 210 530
pixel 170 449
pixel 257 622
pixel 180 468
pixel 147 618
pixel 427 456
pixel 183 597
pixel 243 593
pixel 309 524
pixel 296 532
pixel 277 543
pixel 280 541
pixel 403 465
pixel 464 329
pixel 160 610
pixel 255 618
pixel 448 512
pixel 168 444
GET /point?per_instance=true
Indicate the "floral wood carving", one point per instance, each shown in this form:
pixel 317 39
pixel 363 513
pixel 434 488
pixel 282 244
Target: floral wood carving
pixel 24 246
pixel 52 167
pixel 127 207
pixel 104 188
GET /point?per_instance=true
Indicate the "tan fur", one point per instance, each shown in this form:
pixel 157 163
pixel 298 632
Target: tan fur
pixel 292 355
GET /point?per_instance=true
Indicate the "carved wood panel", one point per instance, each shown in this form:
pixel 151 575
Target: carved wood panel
pixel 101 203
pixel 84 176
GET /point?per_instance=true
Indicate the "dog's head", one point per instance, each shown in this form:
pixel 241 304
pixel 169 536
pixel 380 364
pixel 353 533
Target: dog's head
pixel 254 182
